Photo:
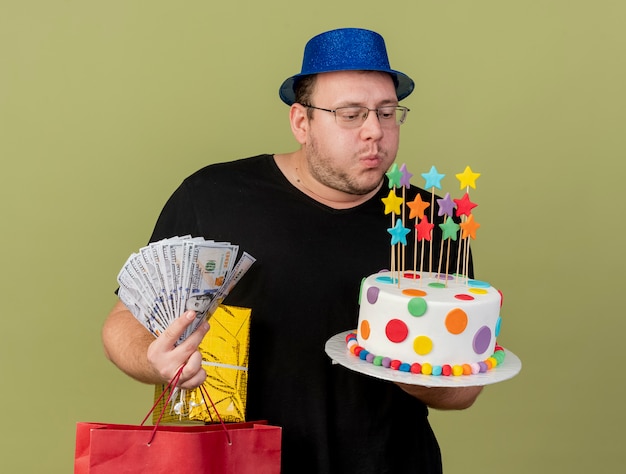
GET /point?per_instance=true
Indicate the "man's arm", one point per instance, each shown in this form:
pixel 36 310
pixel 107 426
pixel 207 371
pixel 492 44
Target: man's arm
pixel 444 398
pixel 136 352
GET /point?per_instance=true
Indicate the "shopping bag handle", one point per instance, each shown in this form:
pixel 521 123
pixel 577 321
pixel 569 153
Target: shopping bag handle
pixel 204 392
pixel 170 386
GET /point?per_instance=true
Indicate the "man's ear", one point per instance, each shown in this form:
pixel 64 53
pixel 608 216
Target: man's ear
pixel 299 122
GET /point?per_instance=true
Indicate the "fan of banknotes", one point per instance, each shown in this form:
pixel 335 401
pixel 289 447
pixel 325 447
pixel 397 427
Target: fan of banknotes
pixel 166 278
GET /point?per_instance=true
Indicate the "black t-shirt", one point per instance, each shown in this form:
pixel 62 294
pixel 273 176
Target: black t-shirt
pixel 303 289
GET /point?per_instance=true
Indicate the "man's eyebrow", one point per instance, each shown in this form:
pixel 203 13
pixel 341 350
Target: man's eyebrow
pixel 382 103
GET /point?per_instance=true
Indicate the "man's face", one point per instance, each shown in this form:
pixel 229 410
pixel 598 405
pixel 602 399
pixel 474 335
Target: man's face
pixel 351 160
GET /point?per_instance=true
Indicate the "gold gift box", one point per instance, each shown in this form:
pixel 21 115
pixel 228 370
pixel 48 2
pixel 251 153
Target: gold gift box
pixel 225 358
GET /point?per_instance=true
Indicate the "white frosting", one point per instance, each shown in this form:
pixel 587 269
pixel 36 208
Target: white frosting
pixel 441 327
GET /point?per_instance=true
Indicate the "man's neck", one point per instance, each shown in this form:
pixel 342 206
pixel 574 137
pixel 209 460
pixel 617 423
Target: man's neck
pixel 294 168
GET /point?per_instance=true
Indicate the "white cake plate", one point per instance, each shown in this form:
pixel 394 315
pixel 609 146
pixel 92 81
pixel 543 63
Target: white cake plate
pixel 337 350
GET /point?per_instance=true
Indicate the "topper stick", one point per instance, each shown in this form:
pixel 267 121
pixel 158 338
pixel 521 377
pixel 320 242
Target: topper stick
pixel 430 243
pixel 415 252
pixel 393 253
pixel 467 252
pixel 392 206
pixel 403 215
pixel 422 256
pixel 447 260
pixel 400 261
pixel 445 218
pixel 433 180
pixel 467 179
pixel 463 246
pixel 458 257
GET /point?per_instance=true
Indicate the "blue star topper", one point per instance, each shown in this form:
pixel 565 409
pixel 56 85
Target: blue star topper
pixel 398 233
pixel 433 178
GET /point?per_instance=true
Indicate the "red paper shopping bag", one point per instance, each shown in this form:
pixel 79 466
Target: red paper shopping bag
pixel 236 448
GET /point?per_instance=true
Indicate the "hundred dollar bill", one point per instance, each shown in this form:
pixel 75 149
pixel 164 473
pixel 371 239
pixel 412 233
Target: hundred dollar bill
pixel 244 263
pixel 165 278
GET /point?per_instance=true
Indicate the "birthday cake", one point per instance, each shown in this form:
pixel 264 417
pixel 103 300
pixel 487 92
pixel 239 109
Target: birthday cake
pixel 433 321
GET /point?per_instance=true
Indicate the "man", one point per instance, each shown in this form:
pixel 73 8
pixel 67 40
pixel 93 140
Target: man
pixel 314 221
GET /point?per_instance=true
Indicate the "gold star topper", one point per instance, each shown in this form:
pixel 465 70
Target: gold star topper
pixel 467 178
pixel 392 203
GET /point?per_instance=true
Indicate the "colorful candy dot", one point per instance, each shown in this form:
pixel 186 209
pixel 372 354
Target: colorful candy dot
pixel 396 330
pixel 457 370
pixel 378 360
pixel 482 339
pixel 372 294
pixel 416 368
pixel 427 369
pixel 365 329
pixel 478 291
pixel 499 356
pixel 464 297
pixel 417 306
pixel 498 324
pixel 395 364
pixel 436 370
pixel 386 279
pixel 446 369
pixel 456 321
pixel 361 290
pixel 422 345
pixel 413 292
pixel 411 275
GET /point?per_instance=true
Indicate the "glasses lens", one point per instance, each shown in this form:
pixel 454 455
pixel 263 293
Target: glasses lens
pixel 351 117
pixel 401 115
pixel 388 115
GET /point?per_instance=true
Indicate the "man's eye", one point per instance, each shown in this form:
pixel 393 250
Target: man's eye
pixel 349 115
pixel 387 113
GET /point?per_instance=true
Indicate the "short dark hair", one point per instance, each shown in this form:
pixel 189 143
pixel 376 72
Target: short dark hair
pixel 303 89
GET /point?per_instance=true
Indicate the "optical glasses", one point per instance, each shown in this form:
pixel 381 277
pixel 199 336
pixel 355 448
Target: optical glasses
pixel 353 117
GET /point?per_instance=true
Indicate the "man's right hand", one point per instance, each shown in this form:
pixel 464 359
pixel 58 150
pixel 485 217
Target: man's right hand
pixel 167 358
pixel 132 348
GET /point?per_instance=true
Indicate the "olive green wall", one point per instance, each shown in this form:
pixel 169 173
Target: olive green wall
pixel 106 106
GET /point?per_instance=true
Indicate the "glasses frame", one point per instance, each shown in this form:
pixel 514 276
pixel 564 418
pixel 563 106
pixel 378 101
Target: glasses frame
pixel 404 111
